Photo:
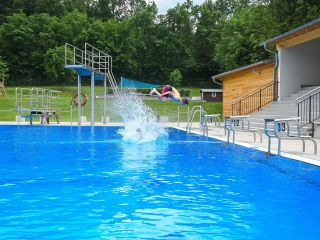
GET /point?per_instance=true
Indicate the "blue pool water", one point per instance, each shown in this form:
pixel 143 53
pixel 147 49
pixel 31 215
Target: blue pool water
pixel 87 183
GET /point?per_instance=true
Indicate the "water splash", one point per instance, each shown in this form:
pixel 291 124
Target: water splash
pixel 140 122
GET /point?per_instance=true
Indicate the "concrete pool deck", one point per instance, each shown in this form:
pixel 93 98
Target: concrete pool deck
pixel 290 148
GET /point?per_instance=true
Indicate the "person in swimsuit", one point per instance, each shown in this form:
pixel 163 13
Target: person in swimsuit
pixel 169 93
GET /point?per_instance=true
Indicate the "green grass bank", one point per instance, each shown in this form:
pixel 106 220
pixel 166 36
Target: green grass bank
pixel 8 110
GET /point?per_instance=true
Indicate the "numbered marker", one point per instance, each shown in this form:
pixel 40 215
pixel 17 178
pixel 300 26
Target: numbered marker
pixel 281 127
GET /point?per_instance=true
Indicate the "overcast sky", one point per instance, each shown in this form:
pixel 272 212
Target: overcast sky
pixel 164 5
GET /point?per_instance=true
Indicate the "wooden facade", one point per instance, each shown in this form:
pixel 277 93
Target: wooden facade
pixel 236 84
pixel 297 36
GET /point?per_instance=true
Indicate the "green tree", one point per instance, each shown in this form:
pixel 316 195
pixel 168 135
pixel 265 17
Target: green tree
pixel 175 78
pixel 4 70
pixel 240 38
pixel 55 73
pixel 290 14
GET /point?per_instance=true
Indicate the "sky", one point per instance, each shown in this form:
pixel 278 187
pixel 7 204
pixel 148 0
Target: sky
pixel 164 5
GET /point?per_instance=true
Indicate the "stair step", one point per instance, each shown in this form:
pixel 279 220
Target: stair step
pixel 310 88
pixel 287 112
pixel 280 107
pixel 271 116
pixel 286 108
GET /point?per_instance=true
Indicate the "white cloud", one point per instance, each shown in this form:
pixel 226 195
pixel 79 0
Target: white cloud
pixel 164 5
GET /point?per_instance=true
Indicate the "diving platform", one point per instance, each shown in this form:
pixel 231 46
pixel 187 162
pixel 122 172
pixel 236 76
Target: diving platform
pixel 91 62
pixel 84 71
pixel 39 103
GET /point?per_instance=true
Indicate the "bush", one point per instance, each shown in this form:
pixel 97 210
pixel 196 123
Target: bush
pixel 185 92
pixel 175 78
pixel 144 90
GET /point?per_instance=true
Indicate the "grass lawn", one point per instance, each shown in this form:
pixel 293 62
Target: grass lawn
pixel 8 105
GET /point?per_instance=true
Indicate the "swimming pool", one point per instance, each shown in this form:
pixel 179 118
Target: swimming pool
pixel 86 183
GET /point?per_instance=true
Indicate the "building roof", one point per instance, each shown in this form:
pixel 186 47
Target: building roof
pixel 244 68
pixel 211 90
pixel 294 33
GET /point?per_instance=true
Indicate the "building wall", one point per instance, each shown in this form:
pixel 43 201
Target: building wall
pixel 299 65
pixel 243 82
pixel 208 97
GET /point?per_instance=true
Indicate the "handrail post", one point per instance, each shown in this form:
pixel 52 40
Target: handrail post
pixel 178 116
pixel 310 109
pixel 260 104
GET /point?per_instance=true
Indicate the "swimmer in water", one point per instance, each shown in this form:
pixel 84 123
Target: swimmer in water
pixel 169 93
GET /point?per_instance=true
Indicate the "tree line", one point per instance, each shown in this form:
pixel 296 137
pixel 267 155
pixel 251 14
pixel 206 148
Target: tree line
pixel 197 41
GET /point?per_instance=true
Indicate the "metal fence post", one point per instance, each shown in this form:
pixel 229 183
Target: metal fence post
pixel 310 110
pixel 260 101
pixel 178 115
pixel 71 114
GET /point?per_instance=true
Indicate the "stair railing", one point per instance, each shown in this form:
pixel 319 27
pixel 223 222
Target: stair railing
pixel 309 108
pixel 255 100
pixel 102 63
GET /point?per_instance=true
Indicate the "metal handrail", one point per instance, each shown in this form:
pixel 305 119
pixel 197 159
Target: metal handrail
pixel 76 54
pixel 190 118
pixel 253 92
pixel 307 94
pixel 102 63
pixel 309 109
pixel 256 99
pixel 204 126
pixel 97 61
pixel 37 100
pixel 95 56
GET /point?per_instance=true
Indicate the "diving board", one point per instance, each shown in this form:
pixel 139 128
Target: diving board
pixel 91 62
pixel 83 71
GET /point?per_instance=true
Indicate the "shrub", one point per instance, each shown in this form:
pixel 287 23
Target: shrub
pixel 175 78
pixel 185 92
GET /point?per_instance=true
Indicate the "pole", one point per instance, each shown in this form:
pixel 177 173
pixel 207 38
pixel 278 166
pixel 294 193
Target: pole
pixel 105 100
pixel 310 120
pixel 79 100
pixel 92 98
pixel 178 115
pixel 71 114
pixel 260 101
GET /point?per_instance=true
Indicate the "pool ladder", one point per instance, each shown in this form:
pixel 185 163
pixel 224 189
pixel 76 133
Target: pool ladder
pixel 203 122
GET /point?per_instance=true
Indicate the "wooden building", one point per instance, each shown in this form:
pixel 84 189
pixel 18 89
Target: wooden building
pixel 241 81
pixel 298 65
pixel 212 95
pixel 299 58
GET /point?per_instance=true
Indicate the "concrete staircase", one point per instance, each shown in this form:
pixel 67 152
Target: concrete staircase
pixel 285 108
